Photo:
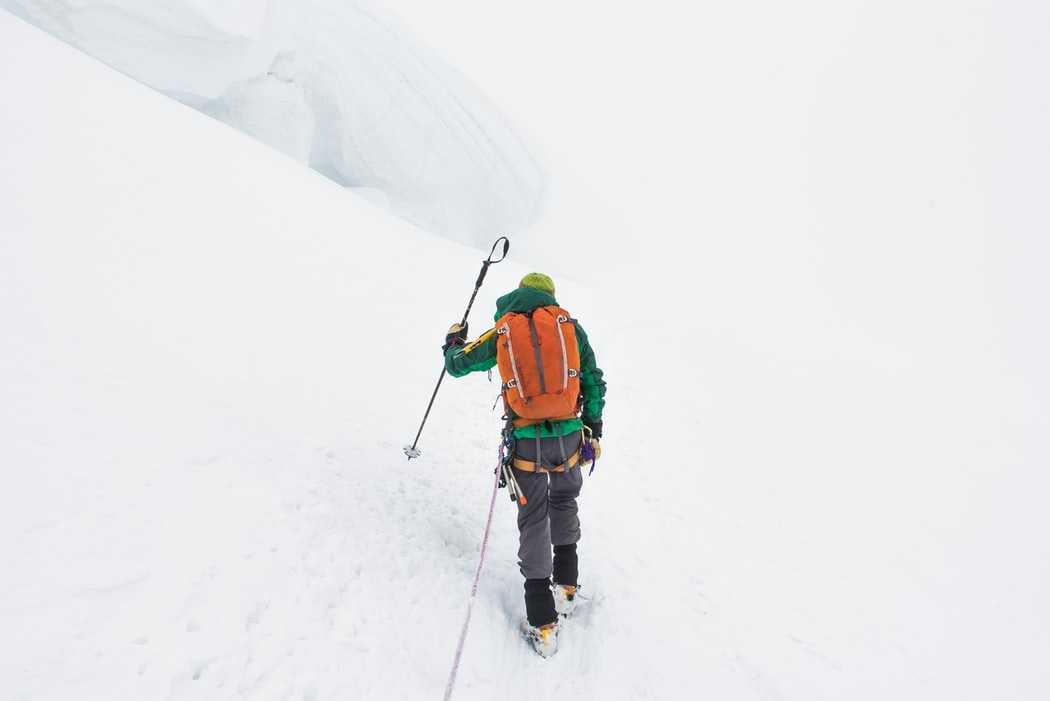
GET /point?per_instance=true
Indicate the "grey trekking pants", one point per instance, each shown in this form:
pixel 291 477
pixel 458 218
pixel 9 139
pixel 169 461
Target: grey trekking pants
pixel 551 515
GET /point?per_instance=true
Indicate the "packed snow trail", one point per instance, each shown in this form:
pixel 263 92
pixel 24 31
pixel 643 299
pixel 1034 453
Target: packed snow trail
pixel 213 356
pixel 450 687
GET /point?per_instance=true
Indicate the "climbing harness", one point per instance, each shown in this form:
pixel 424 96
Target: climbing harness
pixel 506 463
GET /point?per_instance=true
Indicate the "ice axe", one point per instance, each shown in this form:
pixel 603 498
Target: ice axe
pixel 410 450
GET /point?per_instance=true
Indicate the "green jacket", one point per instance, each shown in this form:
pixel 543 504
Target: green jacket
pixel 480 355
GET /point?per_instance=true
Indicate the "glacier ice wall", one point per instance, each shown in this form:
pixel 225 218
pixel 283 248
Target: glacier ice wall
pixel 338 85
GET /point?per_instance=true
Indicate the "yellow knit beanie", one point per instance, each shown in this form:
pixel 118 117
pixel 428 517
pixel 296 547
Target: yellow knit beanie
pixel 538 281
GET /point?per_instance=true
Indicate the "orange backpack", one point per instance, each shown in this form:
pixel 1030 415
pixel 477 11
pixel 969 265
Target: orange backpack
pixel 539 364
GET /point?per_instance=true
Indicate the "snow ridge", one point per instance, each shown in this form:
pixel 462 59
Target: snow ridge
pixel 340 86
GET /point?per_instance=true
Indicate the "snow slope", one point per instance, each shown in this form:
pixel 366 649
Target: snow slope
pixel 341 86
pixel 205 398
pixel 213 356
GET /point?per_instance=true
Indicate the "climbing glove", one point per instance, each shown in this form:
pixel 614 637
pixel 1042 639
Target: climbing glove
pixel 591 449
pixel 594 425
pixel 456 336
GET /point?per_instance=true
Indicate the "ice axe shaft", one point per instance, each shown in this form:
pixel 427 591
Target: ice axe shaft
pixel 411 451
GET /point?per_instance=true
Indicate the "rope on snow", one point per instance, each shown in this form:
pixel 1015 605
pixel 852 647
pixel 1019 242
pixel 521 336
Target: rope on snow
pixel 474 589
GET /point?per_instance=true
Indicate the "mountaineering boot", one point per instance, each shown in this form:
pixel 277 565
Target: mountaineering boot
pixel 539 603
pixel 541 629
pixel 564 599
pixel 544 640
pixel 566 569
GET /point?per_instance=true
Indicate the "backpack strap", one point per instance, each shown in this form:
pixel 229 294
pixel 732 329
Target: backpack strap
pixel 534 336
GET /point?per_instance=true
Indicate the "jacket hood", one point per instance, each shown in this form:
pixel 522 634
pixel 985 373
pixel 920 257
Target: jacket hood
pixel 523 299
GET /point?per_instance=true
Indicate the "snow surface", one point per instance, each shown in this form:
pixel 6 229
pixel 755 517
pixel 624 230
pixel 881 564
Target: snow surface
pixel 340 86
pixel 826 457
